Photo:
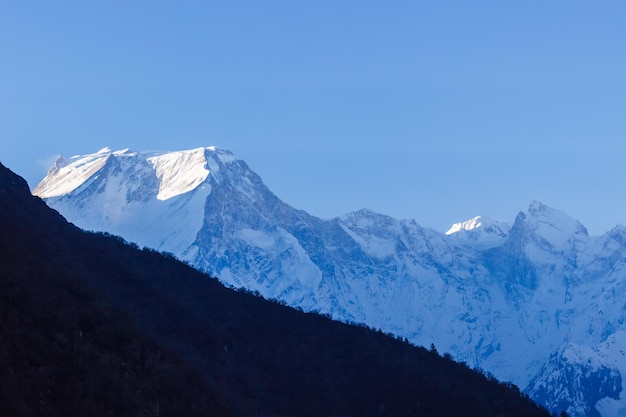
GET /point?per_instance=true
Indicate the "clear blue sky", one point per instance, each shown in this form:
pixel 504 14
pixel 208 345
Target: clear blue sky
pixel 431 110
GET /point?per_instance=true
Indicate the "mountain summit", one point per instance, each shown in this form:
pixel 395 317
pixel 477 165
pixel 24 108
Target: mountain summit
pixel 505 297
pixel 138 196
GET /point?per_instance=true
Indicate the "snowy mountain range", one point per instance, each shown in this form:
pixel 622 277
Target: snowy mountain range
pixel 537 302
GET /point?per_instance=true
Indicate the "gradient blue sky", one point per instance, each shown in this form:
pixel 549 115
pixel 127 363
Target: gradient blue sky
pixel 431 110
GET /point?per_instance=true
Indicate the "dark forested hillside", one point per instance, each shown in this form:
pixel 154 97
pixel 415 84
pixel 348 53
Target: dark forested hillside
pixel 90 325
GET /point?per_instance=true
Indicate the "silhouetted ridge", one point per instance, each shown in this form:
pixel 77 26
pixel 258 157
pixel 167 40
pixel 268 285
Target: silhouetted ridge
pixel 64 349
pixel 90 325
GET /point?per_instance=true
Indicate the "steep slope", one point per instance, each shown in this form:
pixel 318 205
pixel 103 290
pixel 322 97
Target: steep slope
pixel 574 379
pixel 499 296
pixel 155 200
pixel 64 349
pixel 255 357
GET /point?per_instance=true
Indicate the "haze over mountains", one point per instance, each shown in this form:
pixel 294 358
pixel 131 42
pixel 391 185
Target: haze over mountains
pixel 536 301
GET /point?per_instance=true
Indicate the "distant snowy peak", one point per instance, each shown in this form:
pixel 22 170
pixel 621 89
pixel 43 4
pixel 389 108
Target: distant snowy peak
pixel 467 225
pixel 480 232
pixel 177 172
pixel 539 214
pixel 545 224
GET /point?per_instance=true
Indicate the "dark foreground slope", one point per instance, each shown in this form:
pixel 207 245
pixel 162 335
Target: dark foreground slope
pixel 64 349
pixel 92 326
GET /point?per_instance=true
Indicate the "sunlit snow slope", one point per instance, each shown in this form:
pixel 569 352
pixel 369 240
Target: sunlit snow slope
pixel 515 299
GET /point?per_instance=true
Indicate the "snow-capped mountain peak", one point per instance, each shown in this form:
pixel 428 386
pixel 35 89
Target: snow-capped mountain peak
pixel 540 215
pixel 497 296
pixel 467 225
pixel 177 172
pixel 548 227
pixel 67 175
pixel 479 231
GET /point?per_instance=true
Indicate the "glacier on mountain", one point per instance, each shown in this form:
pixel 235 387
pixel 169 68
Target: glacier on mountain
pixel 514 299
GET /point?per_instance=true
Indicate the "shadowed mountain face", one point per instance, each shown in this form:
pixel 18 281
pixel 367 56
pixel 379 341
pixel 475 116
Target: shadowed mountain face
pixel 94 326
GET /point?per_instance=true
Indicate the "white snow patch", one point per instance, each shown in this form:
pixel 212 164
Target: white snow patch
pixel 470 224
pixel 479 232
pixel 179 172
pixel 67 175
